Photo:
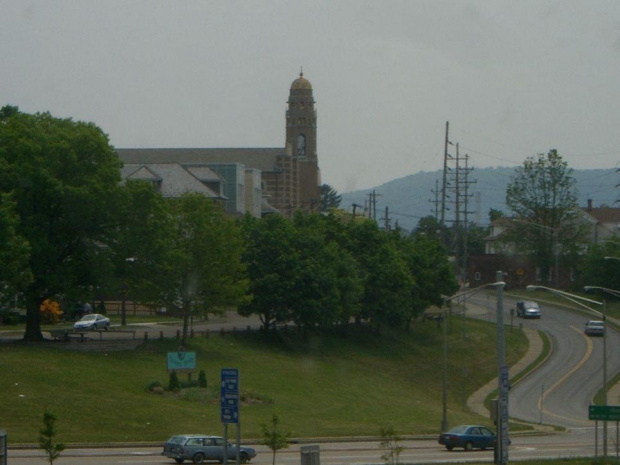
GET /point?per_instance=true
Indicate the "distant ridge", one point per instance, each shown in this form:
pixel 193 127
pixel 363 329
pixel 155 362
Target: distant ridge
pixel 410 198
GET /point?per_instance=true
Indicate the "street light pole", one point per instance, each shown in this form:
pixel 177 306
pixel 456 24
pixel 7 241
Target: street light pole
pixel 502 376
pixel 446 300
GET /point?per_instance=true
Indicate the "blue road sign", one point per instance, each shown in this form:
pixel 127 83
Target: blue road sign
pixel 229 393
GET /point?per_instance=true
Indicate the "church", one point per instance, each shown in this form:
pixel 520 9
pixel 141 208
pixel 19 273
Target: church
pixel 257 181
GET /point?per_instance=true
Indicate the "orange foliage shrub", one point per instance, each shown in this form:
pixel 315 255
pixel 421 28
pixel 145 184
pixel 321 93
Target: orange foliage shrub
pixel 50 311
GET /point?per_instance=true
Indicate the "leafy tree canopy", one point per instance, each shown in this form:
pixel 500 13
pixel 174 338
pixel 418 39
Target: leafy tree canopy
pixel 62 177
pixel 543 199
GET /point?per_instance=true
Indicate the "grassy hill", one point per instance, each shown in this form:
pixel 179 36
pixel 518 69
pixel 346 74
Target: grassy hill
pixel 332 384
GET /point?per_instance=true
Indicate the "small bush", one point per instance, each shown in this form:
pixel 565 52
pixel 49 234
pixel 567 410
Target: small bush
pixel 202 379
pixel 153 384
pixel 189 384
pixel 173 383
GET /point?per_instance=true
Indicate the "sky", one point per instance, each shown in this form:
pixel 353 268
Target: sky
pixel 512 78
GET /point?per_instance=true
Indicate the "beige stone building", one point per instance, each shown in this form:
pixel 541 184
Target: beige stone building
pixel 247 180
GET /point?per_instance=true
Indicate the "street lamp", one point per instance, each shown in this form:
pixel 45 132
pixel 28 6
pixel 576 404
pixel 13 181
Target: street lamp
pixel 502 424
pixel 577 300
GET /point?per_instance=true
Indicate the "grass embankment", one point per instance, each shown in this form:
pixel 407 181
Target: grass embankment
pixel 320 385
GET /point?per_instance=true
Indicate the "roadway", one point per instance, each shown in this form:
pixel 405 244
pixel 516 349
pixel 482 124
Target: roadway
pixel 334 453
pixel 560 391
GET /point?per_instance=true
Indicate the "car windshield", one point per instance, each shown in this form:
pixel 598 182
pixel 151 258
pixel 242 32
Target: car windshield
pixel 458 429
pixel 88 317
pixel 176 440
pixel 595 323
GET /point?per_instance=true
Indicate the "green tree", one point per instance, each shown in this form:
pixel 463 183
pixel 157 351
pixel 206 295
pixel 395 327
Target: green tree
pixel 15 272
pixel 386 278
pixel 271 260
pixel 274 437
pixel 543 199
pixel 140 255
pixel 206 273
pixel 595 270
pixel 63 178
pixel 47 437
pixel 432 274
pixel 329 198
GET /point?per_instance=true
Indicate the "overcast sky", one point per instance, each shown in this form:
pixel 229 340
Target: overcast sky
pixel 513 78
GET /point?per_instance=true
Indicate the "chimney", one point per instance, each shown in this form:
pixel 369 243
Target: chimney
pixel 589 205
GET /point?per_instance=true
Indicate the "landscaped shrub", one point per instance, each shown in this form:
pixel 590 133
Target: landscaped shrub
pixel 202 379
pixel 173 383
pixel 154 384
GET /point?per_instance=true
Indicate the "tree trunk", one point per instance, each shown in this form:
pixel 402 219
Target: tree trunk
pixel 33 320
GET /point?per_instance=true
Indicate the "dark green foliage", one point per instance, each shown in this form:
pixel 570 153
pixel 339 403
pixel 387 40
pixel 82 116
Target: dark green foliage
pixel 153 384
pixel 329 199
pixel 543 199
pixel 62 180
pixel 202 379
pixel 47 437
pixel 173 384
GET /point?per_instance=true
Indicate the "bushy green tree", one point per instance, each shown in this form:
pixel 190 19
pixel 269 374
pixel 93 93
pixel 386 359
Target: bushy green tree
pixel 62 178
pixel 543 200
pixel 206 273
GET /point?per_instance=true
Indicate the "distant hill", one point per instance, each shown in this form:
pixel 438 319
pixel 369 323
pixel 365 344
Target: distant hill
pixel 410 198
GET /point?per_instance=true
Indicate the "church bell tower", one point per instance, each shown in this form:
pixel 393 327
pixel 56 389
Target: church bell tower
pixel 301 140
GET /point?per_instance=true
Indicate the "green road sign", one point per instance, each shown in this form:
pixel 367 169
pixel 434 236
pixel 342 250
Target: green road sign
pixel 604 412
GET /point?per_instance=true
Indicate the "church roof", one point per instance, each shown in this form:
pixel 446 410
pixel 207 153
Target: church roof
pixel 301 83
pixel 172 178
pixel 263 159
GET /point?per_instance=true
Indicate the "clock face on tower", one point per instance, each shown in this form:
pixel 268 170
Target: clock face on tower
pixel 301 145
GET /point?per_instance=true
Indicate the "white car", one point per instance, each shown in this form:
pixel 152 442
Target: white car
pixel 92 321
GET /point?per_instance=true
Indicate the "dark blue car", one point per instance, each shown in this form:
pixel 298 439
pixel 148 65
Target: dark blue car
pixel 468 437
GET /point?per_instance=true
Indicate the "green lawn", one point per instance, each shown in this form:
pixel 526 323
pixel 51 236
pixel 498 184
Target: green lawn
pixel 328 385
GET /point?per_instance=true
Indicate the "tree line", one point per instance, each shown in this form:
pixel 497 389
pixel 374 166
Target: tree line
pixel 71 230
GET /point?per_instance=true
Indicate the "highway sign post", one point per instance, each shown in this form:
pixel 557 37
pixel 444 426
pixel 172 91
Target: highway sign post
pixel 604 413
pixel 229 403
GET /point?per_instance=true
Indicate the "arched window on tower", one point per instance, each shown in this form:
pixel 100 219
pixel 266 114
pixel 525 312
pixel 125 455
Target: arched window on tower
pixel 301 145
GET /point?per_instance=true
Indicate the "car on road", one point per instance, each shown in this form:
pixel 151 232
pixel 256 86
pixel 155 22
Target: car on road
pixel 200 448
pixel 92 321
pixel 595 328
pixel 468 437
pixel 528 309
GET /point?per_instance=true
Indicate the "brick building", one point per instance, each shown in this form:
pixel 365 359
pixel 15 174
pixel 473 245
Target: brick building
pixel 247 180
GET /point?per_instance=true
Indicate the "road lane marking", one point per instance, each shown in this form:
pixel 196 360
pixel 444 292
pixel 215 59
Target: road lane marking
pixel 544 395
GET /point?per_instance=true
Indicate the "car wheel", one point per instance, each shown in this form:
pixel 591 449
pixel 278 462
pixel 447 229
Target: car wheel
pixel 199 458
pixel 179 460
pixel 469 446
pixel 107 326
pixel 449 447
pixel 243 457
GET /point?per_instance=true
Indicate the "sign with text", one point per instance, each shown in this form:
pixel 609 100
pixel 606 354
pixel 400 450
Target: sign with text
pixel 604 412
pixel 181 362
pixel 229 393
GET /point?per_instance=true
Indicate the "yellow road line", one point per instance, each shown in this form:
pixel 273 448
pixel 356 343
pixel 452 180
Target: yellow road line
pixel 563 378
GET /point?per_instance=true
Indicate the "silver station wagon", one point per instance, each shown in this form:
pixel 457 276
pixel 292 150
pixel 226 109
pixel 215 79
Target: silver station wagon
pixel 200 448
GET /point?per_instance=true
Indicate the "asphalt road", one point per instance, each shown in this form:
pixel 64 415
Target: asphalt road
pixel 338 453
pixel 560 391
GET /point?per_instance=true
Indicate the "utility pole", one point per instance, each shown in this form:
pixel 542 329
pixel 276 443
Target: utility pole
pixel 436 201
pixel 445 173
